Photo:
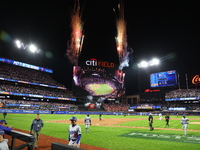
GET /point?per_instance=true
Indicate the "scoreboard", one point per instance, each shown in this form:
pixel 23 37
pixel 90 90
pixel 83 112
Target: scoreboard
pixel 162 79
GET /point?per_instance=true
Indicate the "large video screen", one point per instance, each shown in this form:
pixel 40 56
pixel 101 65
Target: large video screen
pixel 98 82
pixel 162 79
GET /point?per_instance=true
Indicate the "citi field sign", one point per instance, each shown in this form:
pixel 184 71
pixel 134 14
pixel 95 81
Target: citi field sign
pixel 94 62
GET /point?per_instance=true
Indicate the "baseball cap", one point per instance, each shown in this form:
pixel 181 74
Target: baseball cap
pixel 3 121
pixel 2 132
pixel 73 119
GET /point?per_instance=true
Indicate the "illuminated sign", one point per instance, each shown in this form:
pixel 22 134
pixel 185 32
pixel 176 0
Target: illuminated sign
pixel 145 107
pixel 25 65
pixel 196 79
pixel 148 90
pixel 96 63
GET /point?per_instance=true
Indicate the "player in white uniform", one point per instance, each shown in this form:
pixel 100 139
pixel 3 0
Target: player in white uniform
pixel 160 116
pixel 87 122
pixel 74 133
pixel 184 122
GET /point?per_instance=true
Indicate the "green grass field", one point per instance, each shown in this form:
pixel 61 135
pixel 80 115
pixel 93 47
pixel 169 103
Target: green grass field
pixel 120 138
pixel 100 89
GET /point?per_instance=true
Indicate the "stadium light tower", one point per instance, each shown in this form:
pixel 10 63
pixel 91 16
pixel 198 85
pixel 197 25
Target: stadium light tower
pixel 18 43
pixel 32 47
pixel 142 75
pixel 145 64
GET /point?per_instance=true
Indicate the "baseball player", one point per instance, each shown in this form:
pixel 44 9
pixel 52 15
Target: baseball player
pixel 160 116
pixel 151 122
pixel 4 127
pixel 184 122
pixel 74 133
pixel 3 142
pixel 167 117
pixel 87 122
pixel 4 114
pixel 100 115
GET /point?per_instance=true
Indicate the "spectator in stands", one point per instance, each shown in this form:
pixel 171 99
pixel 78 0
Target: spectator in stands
pixel 3 142
pixel 3 126
pixel 36 126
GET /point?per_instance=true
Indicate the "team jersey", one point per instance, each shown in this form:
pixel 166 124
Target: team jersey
pixel 184 120
pixel 160 115
pixel 167 117
pixel 150 118
pixel 87 120
pixel 4 144
pixel 74 131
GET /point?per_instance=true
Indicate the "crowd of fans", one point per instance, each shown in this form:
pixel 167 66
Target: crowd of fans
pixel 31 89
pixel 25 74
pixel 183 93
pixel 37 105
pixel 112 107
pixel 174 104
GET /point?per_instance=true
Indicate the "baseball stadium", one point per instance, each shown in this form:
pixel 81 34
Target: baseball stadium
pixel 40 112
pixel 124 123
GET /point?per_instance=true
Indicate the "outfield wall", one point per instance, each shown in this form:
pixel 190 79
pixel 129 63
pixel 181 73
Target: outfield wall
pixel 15 111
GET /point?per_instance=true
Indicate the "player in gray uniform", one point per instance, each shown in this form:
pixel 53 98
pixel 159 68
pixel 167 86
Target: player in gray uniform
pixel 184 122
pixel 3 142
pixel 87 122
pixel 74 133
pixel 160 116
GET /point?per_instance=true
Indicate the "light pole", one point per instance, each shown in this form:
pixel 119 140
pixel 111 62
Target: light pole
pixel 142 78
pixel 30 48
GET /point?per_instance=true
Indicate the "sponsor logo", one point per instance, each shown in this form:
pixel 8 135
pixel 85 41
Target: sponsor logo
pixel 196 79
pixel 164 137
pixel 95 62
pixel 148 90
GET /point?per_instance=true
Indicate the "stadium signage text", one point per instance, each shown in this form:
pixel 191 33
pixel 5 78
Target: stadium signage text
pixel 95 62
pixel 148 90
pixel 196 79
pixel 164 137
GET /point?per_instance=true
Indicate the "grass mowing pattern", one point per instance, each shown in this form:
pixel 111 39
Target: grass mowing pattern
pixel 100 89
pixel 112 137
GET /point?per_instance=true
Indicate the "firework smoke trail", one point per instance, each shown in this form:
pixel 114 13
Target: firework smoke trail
pixel 121 39
pixel 77 37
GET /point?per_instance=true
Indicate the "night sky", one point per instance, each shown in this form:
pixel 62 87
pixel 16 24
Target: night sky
pixel 168 30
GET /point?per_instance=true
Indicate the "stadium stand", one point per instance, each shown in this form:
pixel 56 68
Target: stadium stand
pixel 112 107
pixel 16 82
pixel 36 105
pixel 24 74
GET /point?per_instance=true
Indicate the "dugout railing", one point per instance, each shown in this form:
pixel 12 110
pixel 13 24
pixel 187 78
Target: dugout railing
pixel 27 138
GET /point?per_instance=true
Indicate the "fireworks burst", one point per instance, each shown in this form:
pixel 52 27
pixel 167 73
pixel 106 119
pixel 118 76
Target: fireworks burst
pixel 77 37
pixel 121 39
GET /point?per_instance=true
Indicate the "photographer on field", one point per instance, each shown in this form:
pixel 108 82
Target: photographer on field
pixel 36 126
